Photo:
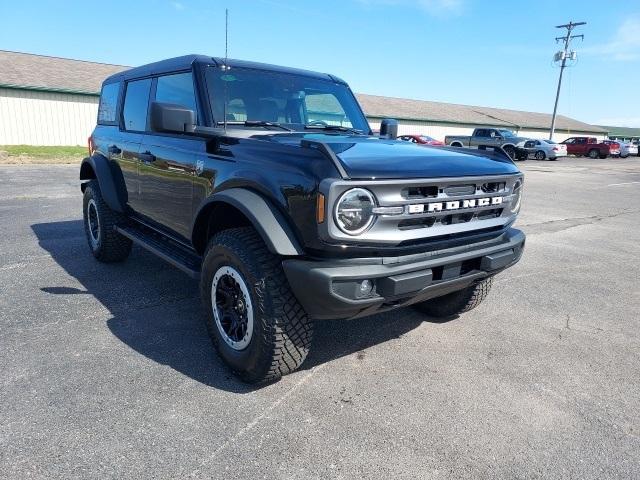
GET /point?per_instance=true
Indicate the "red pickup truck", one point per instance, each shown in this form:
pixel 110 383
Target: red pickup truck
pixel 590 147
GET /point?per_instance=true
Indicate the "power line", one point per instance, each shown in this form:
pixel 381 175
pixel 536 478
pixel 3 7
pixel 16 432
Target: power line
pixel 562 55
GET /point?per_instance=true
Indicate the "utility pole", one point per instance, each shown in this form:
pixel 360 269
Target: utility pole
pixel 563 56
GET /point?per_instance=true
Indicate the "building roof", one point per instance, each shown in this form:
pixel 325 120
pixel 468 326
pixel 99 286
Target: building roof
pixel 626 132
pixel 423 110
pixel 39 72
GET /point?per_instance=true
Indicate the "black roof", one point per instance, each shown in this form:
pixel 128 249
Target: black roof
pixel 185 62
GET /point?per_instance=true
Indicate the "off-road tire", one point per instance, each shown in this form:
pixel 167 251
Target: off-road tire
pixel 110 246
pixel 457 302
pixel 509 150
pixel 282 331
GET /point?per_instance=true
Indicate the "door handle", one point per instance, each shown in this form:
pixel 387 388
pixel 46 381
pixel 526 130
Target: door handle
pixel 147 157
pixel 114 150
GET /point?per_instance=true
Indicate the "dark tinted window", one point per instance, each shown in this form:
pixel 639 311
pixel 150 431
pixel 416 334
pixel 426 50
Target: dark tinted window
pixel 177 89
pixel 136 104
pixel 108 103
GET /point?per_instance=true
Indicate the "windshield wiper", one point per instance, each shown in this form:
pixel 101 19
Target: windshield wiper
pixel 257 123
pixel 338 128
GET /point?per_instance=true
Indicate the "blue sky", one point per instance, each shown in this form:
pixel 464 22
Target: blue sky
pixel 489 53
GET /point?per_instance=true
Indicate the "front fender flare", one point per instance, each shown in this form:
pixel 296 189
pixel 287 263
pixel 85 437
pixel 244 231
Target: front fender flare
pixel 269 222
pixel 111 183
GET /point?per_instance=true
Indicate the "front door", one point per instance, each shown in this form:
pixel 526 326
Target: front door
pixel 168 162
pixel 168 168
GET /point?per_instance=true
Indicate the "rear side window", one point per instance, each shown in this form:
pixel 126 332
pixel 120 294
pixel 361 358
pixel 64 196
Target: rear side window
pixel 108 104
pixel 177 89
pixel 136 105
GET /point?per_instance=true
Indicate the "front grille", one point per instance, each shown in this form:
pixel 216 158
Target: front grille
pixel 430 208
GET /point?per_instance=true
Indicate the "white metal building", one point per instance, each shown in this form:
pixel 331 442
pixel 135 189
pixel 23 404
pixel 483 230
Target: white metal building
pixel 438 119
pixel 48 100
pixel 54 101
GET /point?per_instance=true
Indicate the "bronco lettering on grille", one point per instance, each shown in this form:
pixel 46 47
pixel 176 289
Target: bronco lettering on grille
pixel 454 205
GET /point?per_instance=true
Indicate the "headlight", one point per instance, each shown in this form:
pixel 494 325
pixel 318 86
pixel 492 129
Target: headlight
pixel 516 196
pixel 354 211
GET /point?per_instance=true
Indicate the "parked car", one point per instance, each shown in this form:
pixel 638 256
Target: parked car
pixel 488 137
pixel 283 217
pixel 626 148
pixel 590 147
pixel 542 149
pixel 421 140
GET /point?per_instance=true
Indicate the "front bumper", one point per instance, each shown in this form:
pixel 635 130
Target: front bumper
pixel 329 288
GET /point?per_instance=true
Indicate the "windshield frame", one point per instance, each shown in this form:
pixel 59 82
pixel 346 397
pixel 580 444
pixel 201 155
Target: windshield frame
pixel 352 109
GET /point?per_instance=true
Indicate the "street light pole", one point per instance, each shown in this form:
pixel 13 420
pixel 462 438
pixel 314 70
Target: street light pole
pixel 567 41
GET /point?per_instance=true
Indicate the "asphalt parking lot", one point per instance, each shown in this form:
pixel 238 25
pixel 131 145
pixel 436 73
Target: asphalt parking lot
pixel 107 370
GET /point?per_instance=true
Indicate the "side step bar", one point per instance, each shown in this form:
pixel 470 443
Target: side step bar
pixel 165 248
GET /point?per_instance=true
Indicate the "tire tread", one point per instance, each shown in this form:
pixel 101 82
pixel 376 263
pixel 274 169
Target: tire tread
pixel 114 247
pixel 457 302
pixel 287 330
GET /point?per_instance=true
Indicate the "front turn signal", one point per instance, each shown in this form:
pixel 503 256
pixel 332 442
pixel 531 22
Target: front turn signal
pixel 320 208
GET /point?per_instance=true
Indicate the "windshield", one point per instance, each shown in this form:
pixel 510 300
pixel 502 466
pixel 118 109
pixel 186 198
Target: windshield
pixel 291 100
pixel 427 138
pixel 506 133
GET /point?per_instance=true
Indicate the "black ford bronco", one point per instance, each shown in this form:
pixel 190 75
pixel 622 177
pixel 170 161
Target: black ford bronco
pixel 267 185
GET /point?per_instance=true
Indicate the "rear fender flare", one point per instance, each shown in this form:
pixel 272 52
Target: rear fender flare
pixel 112 187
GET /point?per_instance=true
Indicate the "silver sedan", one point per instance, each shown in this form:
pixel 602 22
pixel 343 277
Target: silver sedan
pixel 627 149
pixel 542 149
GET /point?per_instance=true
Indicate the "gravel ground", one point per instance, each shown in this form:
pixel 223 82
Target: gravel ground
pixel 107 370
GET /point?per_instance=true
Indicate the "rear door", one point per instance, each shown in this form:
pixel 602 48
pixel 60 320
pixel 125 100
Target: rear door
pixel 580 146
pixel 480 137
pixel 168 161
pixel 126 146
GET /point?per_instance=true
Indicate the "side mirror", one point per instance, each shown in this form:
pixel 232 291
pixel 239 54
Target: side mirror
pixel 168 117
pixel 389 128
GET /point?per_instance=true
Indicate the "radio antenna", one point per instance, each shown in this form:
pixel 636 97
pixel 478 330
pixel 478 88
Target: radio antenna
pixel 226 34
pixel 225 67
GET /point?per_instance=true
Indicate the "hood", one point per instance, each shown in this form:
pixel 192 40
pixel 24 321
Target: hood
pixel 372 157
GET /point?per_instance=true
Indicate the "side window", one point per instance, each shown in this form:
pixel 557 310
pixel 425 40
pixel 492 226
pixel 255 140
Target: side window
pixel 108 104
pixel 177 89
pixel 529 144
pixel 569 141
pixel 136 105
pixel 481 132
